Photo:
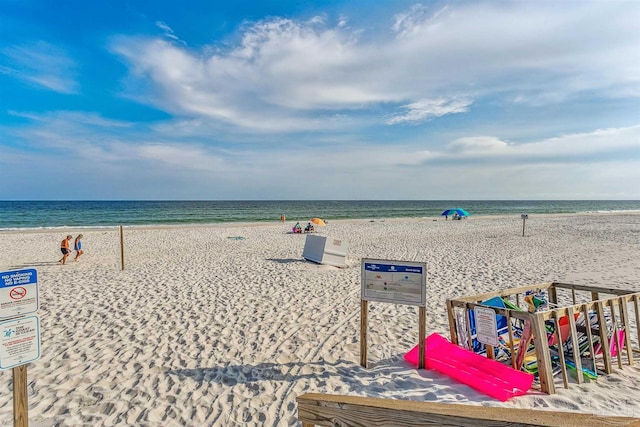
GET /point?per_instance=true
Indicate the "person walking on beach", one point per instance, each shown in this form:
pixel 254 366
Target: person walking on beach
pixel 77 246
pixel 64 248
pixel 282 218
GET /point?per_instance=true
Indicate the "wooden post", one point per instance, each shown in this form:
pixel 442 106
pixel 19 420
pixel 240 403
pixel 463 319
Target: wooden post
pixel 574 344
pixel 467 310
pixel 563 366
pixel 364 310
pixel 637 312
pixel 626 325
pixel 604 341
pixel 20 401
pixel 122 247
pixel 587 322
pixel 523 221
pixel 616 342
pixel 337 410
pixel 511 348
pixel 553 296
pixel 545 370
pixel 452 322
pixel 422 331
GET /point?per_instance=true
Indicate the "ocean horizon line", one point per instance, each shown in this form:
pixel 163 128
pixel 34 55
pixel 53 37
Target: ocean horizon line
pixel 72 214
pixel 320 200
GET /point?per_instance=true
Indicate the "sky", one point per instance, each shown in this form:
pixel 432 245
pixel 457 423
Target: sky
pixel 333 99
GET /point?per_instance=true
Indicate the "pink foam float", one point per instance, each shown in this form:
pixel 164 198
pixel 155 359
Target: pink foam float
pixel 484 375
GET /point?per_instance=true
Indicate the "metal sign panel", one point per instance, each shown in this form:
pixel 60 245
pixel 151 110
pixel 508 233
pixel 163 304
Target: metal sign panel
pixel 398 282
pixel 19 341
pixel 18 293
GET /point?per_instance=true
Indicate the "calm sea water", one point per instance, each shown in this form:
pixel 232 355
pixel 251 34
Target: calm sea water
pixel 53 214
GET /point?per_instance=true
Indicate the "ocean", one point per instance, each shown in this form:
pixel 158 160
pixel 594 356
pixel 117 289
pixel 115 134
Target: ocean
pixel 61 214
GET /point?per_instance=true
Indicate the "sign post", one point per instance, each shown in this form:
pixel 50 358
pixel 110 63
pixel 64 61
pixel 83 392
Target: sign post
pixel 397 282
pixel 524 219
pixel 122 247
pixel 19 334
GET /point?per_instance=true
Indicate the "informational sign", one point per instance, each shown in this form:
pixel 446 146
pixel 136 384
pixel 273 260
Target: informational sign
pixel 486 325
pixel 19 341
pixel 397 282
pixel 18 293
pixel 524 216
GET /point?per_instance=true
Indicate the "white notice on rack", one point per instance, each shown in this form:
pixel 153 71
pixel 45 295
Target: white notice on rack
pixel 486 325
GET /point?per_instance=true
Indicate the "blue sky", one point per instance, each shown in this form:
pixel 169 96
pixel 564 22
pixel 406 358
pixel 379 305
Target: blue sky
pixel 339 99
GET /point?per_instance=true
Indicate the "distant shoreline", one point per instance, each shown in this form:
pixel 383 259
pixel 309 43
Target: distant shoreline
pixel 287 224
pixel 96 214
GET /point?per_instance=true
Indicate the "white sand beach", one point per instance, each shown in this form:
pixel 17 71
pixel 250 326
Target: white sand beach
pixel 200 329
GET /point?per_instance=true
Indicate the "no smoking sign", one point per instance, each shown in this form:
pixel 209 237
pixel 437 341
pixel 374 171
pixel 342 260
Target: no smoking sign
pixel 18 293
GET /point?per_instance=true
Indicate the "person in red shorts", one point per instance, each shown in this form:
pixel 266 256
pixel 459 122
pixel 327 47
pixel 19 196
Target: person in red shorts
pixel 64 248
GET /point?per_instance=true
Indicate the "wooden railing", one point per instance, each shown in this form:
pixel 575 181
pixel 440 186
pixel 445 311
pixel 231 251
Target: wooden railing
pixel 612 313
pixel 345 411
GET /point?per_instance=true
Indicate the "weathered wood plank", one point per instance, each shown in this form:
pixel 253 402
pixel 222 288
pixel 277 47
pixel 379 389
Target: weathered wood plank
pixel 592 289
pixel 352 411
pixel 558 332
pixel 543 357
pixel 574 344
pixel 20 399
pixel 614 337
pixel 624 313
pixel 452 322
pixel 364 312
pixel 604 341
pixel 504 293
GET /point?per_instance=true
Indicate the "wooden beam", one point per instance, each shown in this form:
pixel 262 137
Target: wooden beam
pixel 364 312
pixel 511 346
pixel 614 336
pixel 574 343
pixel 351 411
pixel 604 341
pixel 624 314
pixel 558 332
pixel 122 247
pixel 553 296
pixel 469 336
pixel 592 289
pixel 20 399
pixel 587 322
pixel 635 306
pixel 545 370
pixel 452 322
pixel 504 293
pixel 422 333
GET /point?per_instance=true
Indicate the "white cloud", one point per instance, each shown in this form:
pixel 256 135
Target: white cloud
pixel 41 64
pixel 425 109
pixel 162 164
pixel 287 75
pixel 601 145
pixel 168 31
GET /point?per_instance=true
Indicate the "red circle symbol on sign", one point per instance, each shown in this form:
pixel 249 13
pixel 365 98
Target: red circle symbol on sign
pixel 18 293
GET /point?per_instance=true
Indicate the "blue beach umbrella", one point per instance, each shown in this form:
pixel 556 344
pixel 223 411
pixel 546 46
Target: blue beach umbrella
pixel 451 212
